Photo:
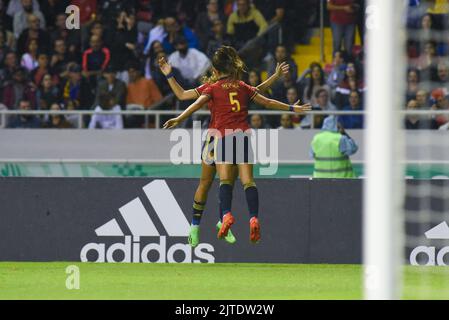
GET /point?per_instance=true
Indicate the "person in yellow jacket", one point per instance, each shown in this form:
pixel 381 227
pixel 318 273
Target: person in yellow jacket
pixel 331 149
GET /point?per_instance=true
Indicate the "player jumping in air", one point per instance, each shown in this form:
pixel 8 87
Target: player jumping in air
pixel 229 98
pixel 208 170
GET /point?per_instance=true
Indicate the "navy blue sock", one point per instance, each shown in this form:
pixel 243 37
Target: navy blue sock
pixel 252 199
pixel 198 208
pixel 225 197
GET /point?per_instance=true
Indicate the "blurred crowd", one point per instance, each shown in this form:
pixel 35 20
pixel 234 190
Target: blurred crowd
pixel 110 61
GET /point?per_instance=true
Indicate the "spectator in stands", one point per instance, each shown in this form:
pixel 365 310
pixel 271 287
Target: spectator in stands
pixel 141 91
pixel 51 8
pixel 71 38
pixel 97 29
pixel 353 121
pixel 323 103
pixel 254 80
pixel 24 121
pixel 42 68
pixel 10 64
pixel 441 78
pixel 191 62
pixel 19 89
pixel 422 100
pixel 47 93
pixel 73 119
pixel 316 82
pixel 33 32
pixel 57 121
pixel 218 38
pixel 281 54
pixel 205 22
pixel 96 58
pixel 88 10
pixel 272 10
pixel 174 31
pixel 331 149
pixel 292 98
pixel 412 84
pixel 245 23
pixel 441 103
pixel 343 16
pixel 337 73
pixel 351 82
pixel 160 78
pixel 77 89
pixel 258 122
pixel 22 17
pixel 413 122
pixel 110 10
pixel 15 6
pixel 4 48
pixel 427 60
pixel 110 84
pixel 106 121
pixel 59 58
pixel 151 61
pixel 157 33
pixel 29 58
pixel 123 41
pixel 286 122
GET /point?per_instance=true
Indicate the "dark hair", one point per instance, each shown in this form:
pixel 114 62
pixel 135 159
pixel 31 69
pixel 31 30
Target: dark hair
pixel 320 91
pixel 343 54
pixel 311 85
pixel 134 64
pixel 106 98
pixel 227 61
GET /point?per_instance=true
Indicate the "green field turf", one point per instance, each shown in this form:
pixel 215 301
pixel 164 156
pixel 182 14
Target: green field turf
pixel 204 281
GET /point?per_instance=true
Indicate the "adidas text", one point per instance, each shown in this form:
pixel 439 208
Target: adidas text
pixel 135 251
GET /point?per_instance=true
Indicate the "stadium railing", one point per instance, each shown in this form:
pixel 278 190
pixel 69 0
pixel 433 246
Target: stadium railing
pixel 157 114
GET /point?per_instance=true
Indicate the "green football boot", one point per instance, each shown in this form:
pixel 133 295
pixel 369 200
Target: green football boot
pixel 230 237
pixel 194 236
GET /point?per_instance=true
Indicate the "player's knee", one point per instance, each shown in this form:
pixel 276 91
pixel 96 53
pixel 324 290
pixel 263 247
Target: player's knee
pixel 226 182
pixel 205 183
pixel 249 184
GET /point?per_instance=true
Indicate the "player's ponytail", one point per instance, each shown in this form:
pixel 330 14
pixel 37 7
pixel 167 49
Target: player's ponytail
pixel 227 61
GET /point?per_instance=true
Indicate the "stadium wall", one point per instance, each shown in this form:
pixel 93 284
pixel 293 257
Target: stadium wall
pixel 65 219
pixel 146 220
pixel 143 146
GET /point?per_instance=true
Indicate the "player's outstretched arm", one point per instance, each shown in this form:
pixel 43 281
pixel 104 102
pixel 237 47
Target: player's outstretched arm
pixel 277 105
pixel 174 122
pixel 281 69
pixel 179 91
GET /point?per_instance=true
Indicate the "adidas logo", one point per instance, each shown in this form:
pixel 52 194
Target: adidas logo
pixel 140 225
pixel 439 232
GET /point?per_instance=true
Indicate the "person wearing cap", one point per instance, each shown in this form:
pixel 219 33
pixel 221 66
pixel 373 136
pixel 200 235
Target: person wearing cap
pixel 110 84
pixel 331 149
pixel 191 62
pixel 441 99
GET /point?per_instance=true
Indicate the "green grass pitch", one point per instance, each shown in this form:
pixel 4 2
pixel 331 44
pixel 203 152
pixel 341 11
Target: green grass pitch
pixel 26 280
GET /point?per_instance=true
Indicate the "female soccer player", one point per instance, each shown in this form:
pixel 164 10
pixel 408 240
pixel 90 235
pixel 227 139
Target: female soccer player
pixel 208 170
pixel 229 98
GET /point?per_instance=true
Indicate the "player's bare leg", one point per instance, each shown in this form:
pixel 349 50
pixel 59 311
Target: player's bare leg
pixel 207 177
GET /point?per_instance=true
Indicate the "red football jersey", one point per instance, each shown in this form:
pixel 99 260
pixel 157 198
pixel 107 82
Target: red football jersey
pixel 199 91
pixel 229 104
